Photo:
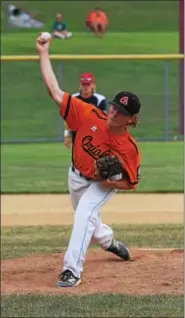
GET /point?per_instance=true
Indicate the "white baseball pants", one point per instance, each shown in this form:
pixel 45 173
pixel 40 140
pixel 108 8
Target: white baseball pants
pixel 87 198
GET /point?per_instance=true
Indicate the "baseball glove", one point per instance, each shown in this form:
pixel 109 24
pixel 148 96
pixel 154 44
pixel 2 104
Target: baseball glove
pixel 107 167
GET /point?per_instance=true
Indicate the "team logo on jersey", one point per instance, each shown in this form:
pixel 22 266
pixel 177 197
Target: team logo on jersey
pixel 93 128
pixel 92 150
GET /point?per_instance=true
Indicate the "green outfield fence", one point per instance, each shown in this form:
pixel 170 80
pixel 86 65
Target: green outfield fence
pixel 29 115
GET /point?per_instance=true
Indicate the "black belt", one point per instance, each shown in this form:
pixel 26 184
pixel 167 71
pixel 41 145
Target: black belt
pixel 80 174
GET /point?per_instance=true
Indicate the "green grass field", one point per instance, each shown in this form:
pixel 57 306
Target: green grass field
pixel 42 168
pixel 27 113
pixel 100 305
pixel 20 241
pixel 124 16
pixel 32 240
pixel 84 43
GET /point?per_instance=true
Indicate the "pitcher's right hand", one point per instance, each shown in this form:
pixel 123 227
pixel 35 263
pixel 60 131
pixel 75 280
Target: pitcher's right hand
pixel 42 45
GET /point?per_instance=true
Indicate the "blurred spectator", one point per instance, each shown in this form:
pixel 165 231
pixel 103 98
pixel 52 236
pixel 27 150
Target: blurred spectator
pixel 59 30
pixel 87 93
pixel 21 19
pixel 97 21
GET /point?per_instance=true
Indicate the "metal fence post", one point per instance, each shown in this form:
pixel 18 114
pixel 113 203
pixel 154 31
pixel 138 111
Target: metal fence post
pixel 7 25
pixel 60 120
pixel 166 102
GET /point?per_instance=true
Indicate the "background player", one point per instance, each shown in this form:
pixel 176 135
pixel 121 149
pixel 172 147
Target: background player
pixel 87 94
pixel 97 135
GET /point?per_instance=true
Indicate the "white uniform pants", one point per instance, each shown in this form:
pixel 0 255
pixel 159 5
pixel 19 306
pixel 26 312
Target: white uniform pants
pixel 87 199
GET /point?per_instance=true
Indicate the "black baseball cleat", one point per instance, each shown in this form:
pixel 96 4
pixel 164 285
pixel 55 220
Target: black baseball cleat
pixel 67 279
pixel 119 249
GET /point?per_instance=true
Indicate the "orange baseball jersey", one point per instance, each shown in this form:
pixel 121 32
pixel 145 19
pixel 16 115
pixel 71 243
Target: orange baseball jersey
pixel 93 140
pixel 93 17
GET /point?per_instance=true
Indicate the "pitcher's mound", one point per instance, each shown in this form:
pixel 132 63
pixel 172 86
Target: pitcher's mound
pixel 148 272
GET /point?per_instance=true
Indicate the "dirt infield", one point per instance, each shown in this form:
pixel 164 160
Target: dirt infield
pixel 148 271
pixel 122 208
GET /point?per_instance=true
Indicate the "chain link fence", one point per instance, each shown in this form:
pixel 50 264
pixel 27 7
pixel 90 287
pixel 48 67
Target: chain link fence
pixel 29 115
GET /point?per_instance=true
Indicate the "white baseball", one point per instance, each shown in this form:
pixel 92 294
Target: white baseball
pixel 46 36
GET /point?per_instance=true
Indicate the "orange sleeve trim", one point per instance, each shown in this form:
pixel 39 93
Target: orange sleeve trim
pixel 133 183
pixel 67 107
pixel 130 176
pixel 129 168
pixel 63 105
pixel 132 173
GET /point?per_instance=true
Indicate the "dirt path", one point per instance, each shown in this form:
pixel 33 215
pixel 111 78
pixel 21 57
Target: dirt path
pixel 148 273
pixel 122 208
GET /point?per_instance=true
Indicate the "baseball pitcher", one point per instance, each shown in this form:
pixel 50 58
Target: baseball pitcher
pixel 105 158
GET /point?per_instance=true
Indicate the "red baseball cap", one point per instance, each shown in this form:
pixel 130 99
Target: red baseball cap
pixel 86 78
